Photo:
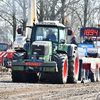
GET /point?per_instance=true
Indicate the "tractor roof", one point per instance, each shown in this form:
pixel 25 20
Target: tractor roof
pixel 50 23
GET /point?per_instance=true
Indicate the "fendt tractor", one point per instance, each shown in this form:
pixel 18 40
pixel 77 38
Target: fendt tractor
pixel 46 58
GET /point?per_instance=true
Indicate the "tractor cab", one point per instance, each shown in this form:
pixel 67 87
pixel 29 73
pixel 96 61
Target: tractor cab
pixel 46 38
pixel 87 46
pixel 48 35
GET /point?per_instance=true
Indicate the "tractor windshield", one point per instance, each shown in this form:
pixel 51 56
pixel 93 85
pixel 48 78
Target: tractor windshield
pixel 3 47
pixel 46 33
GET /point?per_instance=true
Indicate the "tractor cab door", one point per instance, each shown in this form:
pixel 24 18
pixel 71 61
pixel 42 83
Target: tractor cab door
pixel 62 38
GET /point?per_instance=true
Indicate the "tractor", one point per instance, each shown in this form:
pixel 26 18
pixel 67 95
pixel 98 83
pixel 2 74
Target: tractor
pixel 46 59
pixel 6 54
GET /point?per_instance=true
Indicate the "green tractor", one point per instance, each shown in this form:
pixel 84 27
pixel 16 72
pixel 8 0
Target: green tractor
pixel 46 56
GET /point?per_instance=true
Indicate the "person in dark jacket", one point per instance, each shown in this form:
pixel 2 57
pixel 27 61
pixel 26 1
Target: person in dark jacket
pixel 51 36
pixel 88 41
pixel 73 40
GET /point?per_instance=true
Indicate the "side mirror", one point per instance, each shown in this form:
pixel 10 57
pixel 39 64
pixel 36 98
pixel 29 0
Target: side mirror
pixel 19 30
pixel 62 41
pixel 69 32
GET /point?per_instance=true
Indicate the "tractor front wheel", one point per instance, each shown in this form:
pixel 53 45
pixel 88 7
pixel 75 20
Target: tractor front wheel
pixel 73 68
pixel 61 75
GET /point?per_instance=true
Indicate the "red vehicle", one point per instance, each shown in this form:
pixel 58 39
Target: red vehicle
pixel 6 54
pixel 95 39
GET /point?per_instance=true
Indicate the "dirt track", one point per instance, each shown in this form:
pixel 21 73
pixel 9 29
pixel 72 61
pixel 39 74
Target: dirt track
pixel 46 91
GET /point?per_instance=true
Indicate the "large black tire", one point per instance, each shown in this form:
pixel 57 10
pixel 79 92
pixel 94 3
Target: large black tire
pixel 19 76
pixel 61 75
pixel 92 76
pixel 80 78
pixel 73 68
pixel 32 77
pixel 45 77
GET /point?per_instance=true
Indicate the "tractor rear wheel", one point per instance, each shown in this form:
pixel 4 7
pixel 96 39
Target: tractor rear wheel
pixel 61 75
pixel 19 76
pixel 73 68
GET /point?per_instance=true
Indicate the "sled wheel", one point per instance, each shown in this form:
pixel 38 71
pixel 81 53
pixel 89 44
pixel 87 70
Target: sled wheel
pixel 92 76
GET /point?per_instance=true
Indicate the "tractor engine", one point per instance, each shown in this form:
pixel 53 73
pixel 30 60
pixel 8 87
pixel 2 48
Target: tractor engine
pixel 42 49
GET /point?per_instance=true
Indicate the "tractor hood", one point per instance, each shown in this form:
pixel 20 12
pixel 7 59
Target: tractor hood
pixel 42 47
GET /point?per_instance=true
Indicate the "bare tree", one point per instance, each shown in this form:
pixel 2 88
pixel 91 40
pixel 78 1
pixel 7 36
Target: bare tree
pixel 79 12
pixel 14 12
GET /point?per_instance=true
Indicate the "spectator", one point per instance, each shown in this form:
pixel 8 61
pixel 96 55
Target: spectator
pixel 88 40
pixel 51 36
pixel 73 40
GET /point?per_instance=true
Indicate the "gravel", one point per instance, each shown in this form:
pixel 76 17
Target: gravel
pixel 46 91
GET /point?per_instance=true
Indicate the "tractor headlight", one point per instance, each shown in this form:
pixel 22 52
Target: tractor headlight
pixel 41 58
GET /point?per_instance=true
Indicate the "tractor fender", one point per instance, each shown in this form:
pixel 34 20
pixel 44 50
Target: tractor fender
pixel 20 50
pixel 71 49
pixel 61 51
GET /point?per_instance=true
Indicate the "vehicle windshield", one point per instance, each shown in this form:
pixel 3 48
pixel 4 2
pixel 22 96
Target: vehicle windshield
pixel 46 33
pixel 3 47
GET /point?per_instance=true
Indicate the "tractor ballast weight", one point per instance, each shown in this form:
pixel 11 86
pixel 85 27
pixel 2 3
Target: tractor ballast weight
pixel 46 58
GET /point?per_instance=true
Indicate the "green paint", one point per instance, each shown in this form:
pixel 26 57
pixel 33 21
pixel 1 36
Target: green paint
pixel 43 68
pixel 47 68
pixel 19 68
pixel 52 69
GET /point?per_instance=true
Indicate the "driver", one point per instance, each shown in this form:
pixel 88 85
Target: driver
pixel 51 36
pixel 88 41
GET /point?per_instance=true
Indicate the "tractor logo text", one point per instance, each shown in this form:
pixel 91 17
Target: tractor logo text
pixel 32 64
pixel 91 32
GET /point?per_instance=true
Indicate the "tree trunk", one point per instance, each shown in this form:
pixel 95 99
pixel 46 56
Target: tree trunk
pixel 14 27
pixel 41 11
pixel 62 12
pixel 14 21
pixel 24 16
pixel 85 12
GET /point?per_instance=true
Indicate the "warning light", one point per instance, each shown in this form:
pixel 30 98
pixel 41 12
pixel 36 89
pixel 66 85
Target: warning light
pixel 66 20
pixel 34 19
pixel 18 47
pixel 78 27
pixel 17 29
pixel 98 24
